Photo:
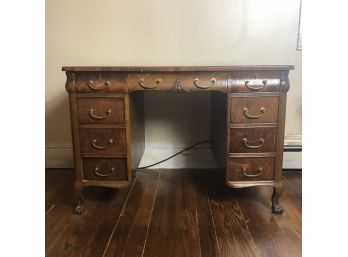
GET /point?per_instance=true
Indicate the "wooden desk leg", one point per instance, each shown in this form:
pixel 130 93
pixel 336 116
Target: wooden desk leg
pixel 278 189
pixel 80 200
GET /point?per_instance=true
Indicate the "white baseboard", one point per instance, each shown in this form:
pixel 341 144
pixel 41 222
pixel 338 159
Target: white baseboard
pixel 291 140
pixel 292 160
pixel 61 156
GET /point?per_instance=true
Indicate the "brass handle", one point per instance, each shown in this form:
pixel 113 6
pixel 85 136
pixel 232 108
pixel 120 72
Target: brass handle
pixel 94 144
pixel 196 83
pixel 91 85
pixel 259 172
pixel 246 113
pixel 93 116
pixel 143 85
pixel 96 172
pixel 256 86
pixel 245 143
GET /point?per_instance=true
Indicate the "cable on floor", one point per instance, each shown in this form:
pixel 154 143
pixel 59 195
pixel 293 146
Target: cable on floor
pixel 187 148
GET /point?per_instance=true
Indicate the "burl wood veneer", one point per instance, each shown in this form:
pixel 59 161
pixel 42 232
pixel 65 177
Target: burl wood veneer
pixel 248 120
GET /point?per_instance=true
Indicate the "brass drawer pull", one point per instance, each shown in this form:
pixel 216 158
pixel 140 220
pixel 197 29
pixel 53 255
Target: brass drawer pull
pixel 143 85
pixel 255 85
pixel 96 172
pixel 91 85
pixel 196 83
pixel 246 113
pixel 94 144
pixel 245 143
pixel 93 116
pixel 259 172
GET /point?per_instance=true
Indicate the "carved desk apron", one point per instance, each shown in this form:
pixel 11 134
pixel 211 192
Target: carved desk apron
pixel 248 120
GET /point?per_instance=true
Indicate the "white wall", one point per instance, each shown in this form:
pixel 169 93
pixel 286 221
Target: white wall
pixel 166 32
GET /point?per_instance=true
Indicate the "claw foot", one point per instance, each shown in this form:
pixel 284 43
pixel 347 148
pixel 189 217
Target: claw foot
pixel 79 209
pixel 277 209
pixel 278 189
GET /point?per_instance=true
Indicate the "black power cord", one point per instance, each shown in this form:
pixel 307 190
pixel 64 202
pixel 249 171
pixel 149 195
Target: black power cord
pixel 187 148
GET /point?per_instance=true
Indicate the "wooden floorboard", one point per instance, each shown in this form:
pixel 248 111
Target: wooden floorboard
pixel 291 220
pixel 174 220
pixel 129 236
pixel 59 196
pixel 71 235
pixel 207 233
pixel 269 238
pixel 233 236
pixel 57 180
pixel 173 213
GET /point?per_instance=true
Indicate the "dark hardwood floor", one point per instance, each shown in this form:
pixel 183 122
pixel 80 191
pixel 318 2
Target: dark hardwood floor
pixel 169 213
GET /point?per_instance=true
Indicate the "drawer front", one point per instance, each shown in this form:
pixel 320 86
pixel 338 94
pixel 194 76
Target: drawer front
pixel 253 140
pixel 95 82
pixel 251 169
pixel 254 109
pixel 150 81
pixel 203 81
pixel 262 81
pixel 105 169
pixel 96 110
pixel 103 140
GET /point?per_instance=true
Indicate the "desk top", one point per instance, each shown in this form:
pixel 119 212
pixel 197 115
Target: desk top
pixel 178 68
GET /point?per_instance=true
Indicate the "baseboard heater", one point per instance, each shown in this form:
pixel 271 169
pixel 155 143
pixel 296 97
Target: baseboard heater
pixel 292 159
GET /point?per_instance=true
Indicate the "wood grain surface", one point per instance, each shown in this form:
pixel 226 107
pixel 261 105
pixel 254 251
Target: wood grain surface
pixel 173 213
pixel 179 68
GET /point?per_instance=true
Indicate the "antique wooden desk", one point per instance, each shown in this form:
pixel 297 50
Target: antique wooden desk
pixel 248 119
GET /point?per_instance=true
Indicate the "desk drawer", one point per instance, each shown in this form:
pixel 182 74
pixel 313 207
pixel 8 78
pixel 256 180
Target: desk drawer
pixel 103 140
pixel 253 140
pixel 95 82
pixel 203 81
pixel 96 110
pixel 251 169
pixel 258 81
pixel 262 109
pixel 150 81
pixel 105 169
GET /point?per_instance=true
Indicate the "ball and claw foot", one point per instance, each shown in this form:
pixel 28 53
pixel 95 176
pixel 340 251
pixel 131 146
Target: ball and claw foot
pixel 277 209
pixel 278 189
pixel 79 209
pixel 80 200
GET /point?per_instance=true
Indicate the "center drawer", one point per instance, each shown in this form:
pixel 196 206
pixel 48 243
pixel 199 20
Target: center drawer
pixel 150 81
pixel 105 169
pixel 103 140
pixel 203 81
pixel 96 110
pixel 253 140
